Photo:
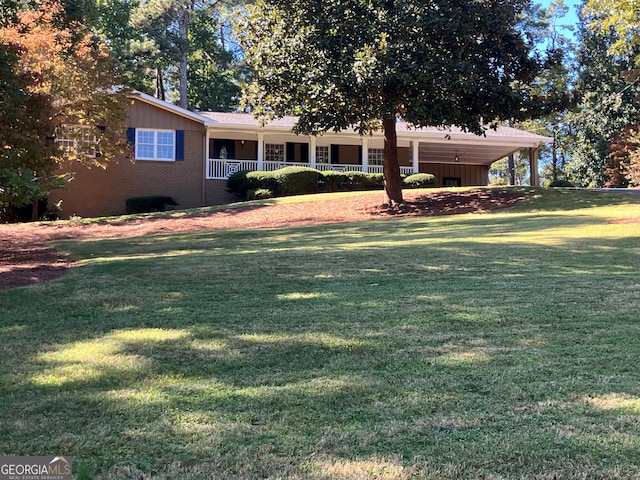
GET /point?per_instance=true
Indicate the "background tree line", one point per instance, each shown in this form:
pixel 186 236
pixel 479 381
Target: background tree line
pixel 62 61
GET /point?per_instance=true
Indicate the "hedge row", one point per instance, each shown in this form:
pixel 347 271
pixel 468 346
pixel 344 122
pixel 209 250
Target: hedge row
pixel 151 203
pixel 302 180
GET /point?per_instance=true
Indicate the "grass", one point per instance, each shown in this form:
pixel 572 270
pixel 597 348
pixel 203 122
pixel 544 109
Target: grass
pixel 494 346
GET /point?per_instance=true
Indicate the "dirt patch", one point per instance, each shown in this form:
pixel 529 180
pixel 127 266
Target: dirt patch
pixel 26 259
pixel 625 221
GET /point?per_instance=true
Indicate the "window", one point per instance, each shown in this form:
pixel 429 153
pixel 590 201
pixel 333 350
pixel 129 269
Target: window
pixel 274 152
pixel 376 156
pixel 155 144
pixel 452 182
pixel 322 154
pixel 77 140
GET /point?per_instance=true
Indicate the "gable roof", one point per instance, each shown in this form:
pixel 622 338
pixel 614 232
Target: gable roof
pixel 170 107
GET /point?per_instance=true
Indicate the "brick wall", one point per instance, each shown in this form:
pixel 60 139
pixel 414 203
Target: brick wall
pixel 99 192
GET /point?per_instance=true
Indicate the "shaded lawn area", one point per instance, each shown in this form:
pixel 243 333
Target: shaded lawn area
pixel 502 345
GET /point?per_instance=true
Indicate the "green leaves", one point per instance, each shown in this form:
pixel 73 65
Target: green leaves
pixel 358 61
pixel 620 16
pixel 352 64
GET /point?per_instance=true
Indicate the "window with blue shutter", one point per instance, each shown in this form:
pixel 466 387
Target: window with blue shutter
pixel 159 145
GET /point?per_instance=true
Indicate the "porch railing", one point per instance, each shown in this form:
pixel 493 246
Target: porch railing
pixel 221 169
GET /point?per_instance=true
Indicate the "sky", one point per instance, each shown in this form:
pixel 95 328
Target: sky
pixel 571 17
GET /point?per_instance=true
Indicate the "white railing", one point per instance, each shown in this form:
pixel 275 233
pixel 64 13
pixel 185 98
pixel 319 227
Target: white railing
pixel 221 169
pixel 325 167
pixel 271 166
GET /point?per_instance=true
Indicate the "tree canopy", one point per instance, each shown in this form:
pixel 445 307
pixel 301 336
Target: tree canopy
pixel 58 84
pixel 621 17
pixel 606 106
pixel 363 64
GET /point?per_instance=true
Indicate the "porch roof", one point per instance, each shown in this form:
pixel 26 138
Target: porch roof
pixel 436 144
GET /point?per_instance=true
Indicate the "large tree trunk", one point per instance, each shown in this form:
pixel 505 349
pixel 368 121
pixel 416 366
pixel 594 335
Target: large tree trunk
pixel 554 158
pixel 184 52
pixel 159 84
pixel 34 211
pixel 391 167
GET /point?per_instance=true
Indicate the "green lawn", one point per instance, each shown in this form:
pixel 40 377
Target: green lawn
pixel 492 346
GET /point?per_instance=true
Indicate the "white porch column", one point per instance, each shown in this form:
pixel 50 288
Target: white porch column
pixel 415 157
pixel 206 153
pixel 365 154
pixel 260 151
pixel 312 151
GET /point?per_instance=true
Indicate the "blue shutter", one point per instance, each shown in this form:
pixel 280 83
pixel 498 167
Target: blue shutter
pixel 131 141
pixel 179 145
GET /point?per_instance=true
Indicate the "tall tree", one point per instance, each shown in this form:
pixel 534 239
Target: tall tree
pixel 183 43
pixel 555 83
pixel 503 173
pixel 113 25
pixel 67 75
pixel 25 156
pixel 364 64
pixel 215 66
pixel 607 104
pixel 621 17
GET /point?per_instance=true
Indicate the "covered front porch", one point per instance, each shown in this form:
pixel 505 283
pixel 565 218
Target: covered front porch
pixel 236 142
pixel 227 153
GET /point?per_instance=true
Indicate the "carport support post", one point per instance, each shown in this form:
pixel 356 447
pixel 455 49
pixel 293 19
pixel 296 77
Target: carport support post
pixel 415 156
pixel 534 152
pixel 260 158
pixel 364 160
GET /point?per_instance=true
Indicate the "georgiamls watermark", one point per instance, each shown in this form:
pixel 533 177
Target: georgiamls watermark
pixel 35 468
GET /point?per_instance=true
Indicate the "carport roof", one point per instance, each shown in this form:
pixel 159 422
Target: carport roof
pixel 436 144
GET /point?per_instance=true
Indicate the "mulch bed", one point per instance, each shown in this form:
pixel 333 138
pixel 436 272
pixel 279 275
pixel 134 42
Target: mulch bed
pixel 26 259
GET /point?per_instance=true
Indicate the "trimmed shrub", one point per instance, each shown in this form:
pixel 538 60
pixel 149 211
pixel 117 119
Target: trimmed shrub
pixel 420 180
pixel 335 181
pixel 149 203
pixel 266 180
pixel 358 180
pixel 374 180
pixel 238 183
pixel 561 183
pixel 365 181
pixel 297 180
pixel 259 194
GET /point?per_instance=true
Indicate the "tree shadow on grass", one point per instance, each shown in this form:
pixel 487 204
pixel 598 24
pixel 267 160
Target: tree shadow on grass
pixel 252 355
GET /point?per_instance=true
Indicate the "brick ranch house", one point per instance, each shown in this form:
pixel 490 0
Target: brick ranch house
pixel 188 156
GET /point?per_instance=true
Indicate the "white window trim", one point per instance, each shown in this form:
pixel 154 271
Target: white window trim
pixel 274 152
pixel 155 145
pixel 323 158
pixel 375 156
pixel 68 142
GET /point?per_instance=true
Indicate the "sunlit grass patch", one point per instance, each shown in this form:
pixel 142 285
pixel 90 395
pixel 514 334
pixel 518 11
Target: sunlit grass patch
pixel 499 346
pixel 89 360
pixel 615 401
